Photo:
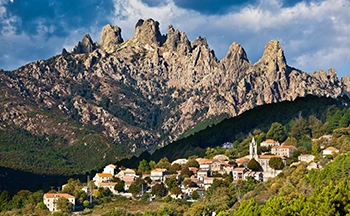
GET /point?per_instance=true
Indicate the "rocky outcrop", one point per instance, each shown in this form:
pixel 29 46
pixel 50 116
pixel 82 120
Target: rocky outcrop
pixel 110 36
pixel 84 46
pixel 148 32
pixel 148 90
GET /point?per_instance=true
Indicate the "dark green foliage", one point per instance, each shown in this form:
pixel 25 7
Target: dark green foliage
pixel 52 155
pixel 159 190
pixel 276 163
pixel 137 186
pixel 195 195
pixel 277 132
pixel 119 186
pixel 185 172
pixel 254 165
pixel 192 163
pixel 248 208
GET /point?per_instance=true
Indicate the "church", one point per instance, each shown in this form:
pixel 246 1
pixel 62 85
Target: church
pixel 263 160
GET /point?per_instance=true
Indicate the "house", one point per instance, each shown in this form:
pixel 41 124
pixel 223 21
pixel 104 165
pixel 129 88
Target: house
pixel 243 161
pixel 208 181
pixel 202 173
pixel 306 158
pixel 269 143
pixel 181 161
pixel 126 172
pixel 128 180
pixel 111 168
pixel 227 145
pixel 50 200
pixel 283 150
pixel 238 173
pixel 158 174
pixel 330 151
pixel 102 177
pixel 109 185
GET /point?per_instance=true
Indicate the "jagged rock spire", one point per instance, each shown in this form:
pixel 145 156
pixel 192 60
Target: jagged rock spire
pixel 148 32
pixel 110 36
pixel 177 41
pixel 273 58
pixel 84 46
pixel 236 58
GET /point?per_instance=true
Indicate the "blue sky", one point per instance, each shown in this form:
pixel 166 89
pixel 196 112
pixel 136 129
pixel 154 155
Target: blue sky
pixel 314 33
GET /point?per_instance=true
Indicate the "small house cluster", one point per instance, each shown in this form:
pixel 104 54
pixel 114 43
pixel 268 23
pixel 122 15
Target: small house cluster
pixel 202 177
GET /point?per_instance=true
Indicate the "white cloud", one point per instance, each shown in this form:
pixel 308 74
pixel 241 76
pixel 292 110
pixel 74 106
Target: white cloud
pixel 313 35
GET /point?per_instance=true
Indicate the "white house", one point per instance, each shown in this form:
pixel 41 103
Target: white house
pixel 102 177
pixel 306 158
pixel 330 151
pixel 126 172
pixel 158 174
pixel 238 173
pixel 50 200
pixel 269 143
pixel 201 174
pixel 283 150
pixel 227 145
pixel 111 168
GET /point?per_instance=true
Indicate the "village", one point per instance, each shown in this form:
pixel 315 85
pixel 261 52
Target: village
pixel 190 178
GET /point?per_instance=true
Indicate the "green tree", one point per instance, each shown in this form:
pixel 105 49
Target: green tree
pixel 276 163
pixel 174 168
pixel 119 186
pixel 248 208
pixel 5 198
pixel 176 190
pixel 159 190
pixel 277 132
pixel 254 165
pixel 192 163
pixel 163 163
pixel 86 204
pixel 144 166
pixel 185 172
pixel 195 195
pixel 137 186
pixel 299 128
pixel 63 204
pixel 152 164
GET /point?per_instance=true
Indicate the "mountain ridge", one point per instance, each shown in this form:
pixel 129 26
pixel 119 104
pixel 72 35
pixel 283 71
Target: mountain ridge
pixel 145 92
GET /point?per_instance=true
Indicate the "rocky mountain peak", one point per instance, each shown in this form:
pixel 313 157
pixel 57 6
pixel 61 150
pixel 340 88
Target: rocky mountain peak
pixel 177 41
pixel 110 36
pixel 84 46
pixel 148 32
pixel 199 42
pixel 273 58
pixel 236 59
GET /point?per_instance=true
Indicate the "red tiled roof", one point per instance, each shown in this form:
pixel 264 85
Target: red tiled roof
pixel 104 174
pixel 57 195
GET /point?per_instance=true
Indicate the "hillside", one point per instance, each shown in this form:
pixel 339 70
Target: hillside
pixel 236 128
pixel 116 98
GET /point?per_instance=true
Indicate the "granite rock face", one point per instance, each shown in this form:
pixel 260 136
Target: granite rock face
pixel 110 36
pixel 148 90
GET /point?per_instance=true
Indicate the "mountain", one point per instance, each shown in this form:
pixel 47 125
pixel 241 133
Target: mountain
pixel 107 100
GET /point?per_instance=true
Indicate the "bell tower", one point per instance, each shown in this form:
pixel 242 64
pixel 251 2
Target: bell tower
pixel 253 150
